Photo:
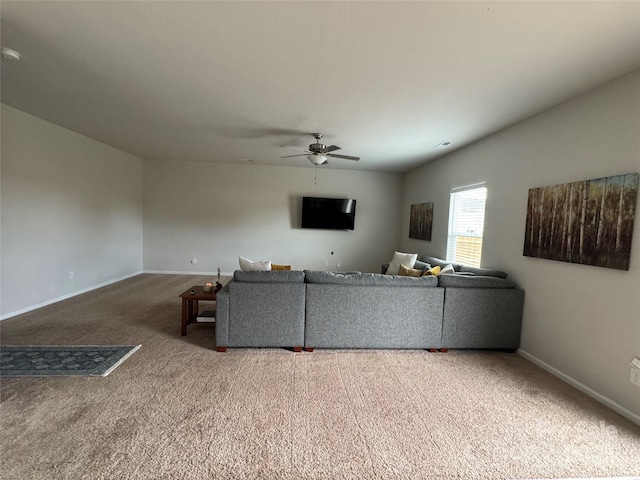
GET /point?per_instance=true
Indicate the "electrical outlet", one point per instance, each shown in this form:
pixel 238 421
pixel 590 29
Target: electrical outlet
pixel 71 275
pixel 338 264
pixel 194 260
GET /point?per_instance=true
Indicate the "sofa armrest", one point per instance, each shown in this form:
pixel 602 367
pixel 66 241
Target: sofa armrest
pixel 262 314
pixel 474 281
pixel 222 316
pixel 482 318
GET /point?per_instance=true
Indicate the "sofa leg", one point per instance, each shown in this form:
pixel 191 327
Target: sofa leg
pixel 432 350
pixel 308 349
pixel 297 349
pixel 221 349
pixel 444 350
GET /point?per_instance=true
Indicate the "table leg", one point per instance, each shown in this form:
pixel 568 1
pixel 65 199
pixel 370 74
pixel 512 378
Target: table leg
pixel 189 311
pixel 184 317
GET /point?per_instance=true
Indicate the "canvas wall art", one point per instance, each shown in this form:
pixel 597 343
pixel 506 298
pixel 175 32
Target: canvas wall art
pixel 588 222
pixel 421 221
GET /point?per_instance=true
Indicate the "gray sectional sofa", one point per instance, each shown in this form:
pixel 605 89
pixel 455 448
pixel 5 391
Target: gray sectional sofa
pixel 370 310
pixel 473 308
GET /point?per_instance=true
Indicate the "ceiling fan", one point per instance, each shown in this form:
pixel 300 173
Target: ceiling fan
pixel 319 153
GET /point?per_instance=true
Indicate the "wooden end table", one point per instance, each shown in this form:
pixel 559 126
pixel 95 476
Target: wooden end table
pixel 190 304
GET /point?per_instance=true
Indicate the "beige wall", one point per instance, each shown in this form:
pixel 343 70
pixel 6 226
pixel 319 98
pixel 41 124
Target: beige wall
pixel 582 322
pixel 217 213
pixel 68 203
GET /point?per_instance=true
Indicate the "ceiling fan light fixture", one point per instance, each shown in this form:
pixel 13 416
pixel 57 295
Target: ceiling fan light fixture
pixel 9 54
pixel 317 158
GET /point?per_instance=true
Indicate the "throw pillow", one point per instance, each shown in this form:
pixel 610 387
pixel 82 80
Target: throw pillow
pixel 447 270
pixel 435 271
pixel 409 272
pixel 275 266
pixel 399 258
pixel 247 265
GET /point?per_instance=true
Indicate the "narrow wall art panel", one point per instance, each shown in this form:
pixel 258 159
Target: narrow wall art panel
pixel 588 222
pixel 421 221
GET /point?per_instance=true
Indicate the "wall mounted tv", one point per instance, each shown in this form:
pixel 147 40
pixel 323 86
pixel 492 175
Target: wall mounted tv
pixel 328 213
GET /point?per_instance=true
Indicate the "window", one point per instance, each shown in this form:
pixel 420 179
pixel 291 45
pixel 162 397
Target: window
pixel 466 223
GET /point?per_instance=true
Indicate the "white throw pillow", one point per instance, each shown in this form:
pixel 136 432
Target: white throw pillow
pixel 399 258
pixel 247 265
pixel 447 270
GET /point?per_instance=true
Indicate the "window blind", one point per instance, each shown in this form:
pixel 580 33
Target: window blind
pixel 466 224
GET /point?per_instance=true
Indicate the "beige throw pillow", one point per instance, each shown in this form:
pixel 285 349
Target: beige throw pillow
pixel 275 266
pixel 409 272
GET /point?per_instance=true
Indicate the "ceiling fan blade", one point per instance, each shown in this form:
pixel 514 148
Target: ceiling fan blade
pixel 290 156
pixel 301 149
pixel 346 157
pixel 250 132
pixel 332 148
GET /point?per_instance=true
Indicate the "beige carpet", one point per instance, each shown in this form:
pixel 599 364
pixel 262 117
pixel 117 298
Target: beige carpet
pixel 179 410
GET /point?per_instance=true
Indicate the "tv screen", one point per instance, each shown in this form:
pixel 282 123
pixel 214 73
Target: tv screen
pixel 328 213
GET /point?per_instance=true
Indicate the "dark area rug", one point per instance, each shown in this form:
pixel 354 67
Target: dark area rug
pixel 47 361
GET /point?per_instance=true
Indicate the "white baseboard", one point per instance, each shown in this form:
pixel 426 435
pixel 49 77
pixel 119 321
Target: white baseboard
pixel 173 272
pixel 68 295
pixel 582 387
pixel 104 284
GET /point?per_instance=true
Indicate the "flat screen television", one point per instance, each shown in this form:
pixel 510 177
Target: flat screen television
pixel 328 213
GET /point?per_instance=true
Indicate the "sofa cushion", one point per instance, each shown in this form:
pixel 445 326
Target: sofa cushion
pixel 399 258
pixel 315 276
pixel 487 272
pixel 275 276
pixel 474 281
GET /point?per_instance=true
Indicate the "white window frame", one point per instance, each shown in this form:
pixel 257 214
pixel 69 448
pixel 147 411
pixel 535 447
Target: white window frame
pixel 466 226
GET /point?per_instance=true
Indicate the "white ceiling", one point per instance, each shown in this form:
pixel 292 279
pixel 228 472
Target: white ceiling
pixel 236 81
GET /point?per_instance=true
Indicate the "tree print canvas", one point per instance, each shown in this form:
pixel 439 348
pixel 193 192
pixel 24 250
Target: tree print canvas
pixel 588 222
pixel 421 221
